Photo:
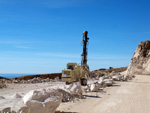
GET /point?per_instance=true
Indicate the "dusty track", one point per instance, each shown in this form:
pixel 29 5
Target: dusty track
pixel 124 97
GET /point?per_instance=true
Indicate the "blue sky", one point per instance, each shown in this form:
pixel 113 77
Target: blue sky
pixel 42 36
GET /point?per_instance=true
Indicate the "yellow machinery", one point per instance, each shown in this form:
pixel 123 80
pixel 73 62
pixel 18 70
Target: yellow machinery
pixel 75 72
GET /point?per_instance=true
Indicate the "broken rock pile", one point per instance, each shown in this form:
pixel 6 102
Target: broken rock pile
pixel 73 91
pixel 46 100
pixel 105 81
pixel 75 88
pixel 2 84
pixel 35 80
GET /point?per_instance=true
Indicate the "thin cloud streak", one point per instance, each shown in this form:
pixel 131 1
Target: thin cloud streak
pixel 22 47
pixel 66 55
pixel 26 42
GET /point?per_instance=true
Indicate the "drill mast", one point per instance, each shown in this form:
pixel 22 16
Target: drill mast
pixel 84 54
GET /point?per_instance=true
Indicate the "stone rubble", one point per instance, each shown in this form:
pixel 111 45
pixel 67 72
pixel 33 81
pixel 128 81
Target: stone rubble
pixel 108 82
pixel 2 84
pixel 47 100
pixel 35 80
pixel 94 87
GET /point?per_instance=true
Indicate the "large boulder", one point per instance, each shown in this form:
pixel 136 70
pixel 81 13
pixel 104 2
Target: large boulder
pixel 101 80
pixel 66 96
pixel 108 82
pixel 118 78
pixel 42 101
pixel 95 87
pixel 140 62
pixel 75 88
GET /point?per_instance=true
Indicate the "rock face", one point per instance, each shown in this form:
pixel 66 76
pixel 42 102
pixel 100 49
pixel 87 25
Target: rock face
pixel 42 101
pixel 140 62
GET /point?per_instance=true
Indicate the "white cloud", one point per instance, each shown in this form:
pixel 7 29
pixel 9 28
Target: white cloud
pixel 26 42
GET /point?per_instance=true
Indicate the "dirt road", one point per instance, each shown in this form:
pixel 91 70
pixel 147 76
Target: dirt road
pixel 123 97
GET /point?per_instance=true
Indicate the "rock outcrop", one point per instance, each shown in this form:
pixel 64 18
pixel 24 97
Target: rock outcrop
pixel 140 62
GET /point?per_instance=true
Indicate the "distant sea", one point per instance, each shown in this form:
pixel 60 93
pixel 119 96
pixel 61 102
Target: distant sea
pixel 13 75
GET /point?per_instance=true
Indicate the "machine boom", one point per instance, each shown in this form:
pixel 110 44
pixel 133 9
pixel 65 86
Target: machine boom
pixel 84 54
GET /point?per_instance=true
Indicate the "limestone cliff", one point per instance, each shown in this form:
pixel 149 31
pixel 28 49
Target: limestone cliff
pixel 140 62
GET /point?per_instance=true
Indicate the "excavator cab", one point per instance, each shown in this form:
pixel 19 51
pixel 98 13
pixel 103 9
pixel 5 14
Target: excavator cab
pixel 70 75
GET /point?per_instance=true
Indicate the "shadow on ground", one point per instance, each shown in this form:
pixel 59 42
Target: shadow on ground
pixel 115 85
pixel 91 96
pixel 64 112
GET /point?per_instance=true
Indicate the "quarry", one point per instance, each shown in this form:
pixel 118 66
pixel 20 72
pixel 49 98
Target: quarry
pixel 118 90
pixel 75 56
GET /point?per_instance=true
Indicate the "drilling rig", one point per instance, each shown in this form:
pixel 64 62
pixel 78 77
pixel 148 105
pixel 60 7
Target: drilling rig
pixel 76 72
pixel 84 54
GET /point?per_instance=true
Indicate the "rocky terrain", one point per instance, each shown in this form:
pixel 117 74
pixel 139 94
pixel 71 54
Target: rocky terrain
pixel 42 76
pixel 140 62
pixel 112 71
pixel 25 96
